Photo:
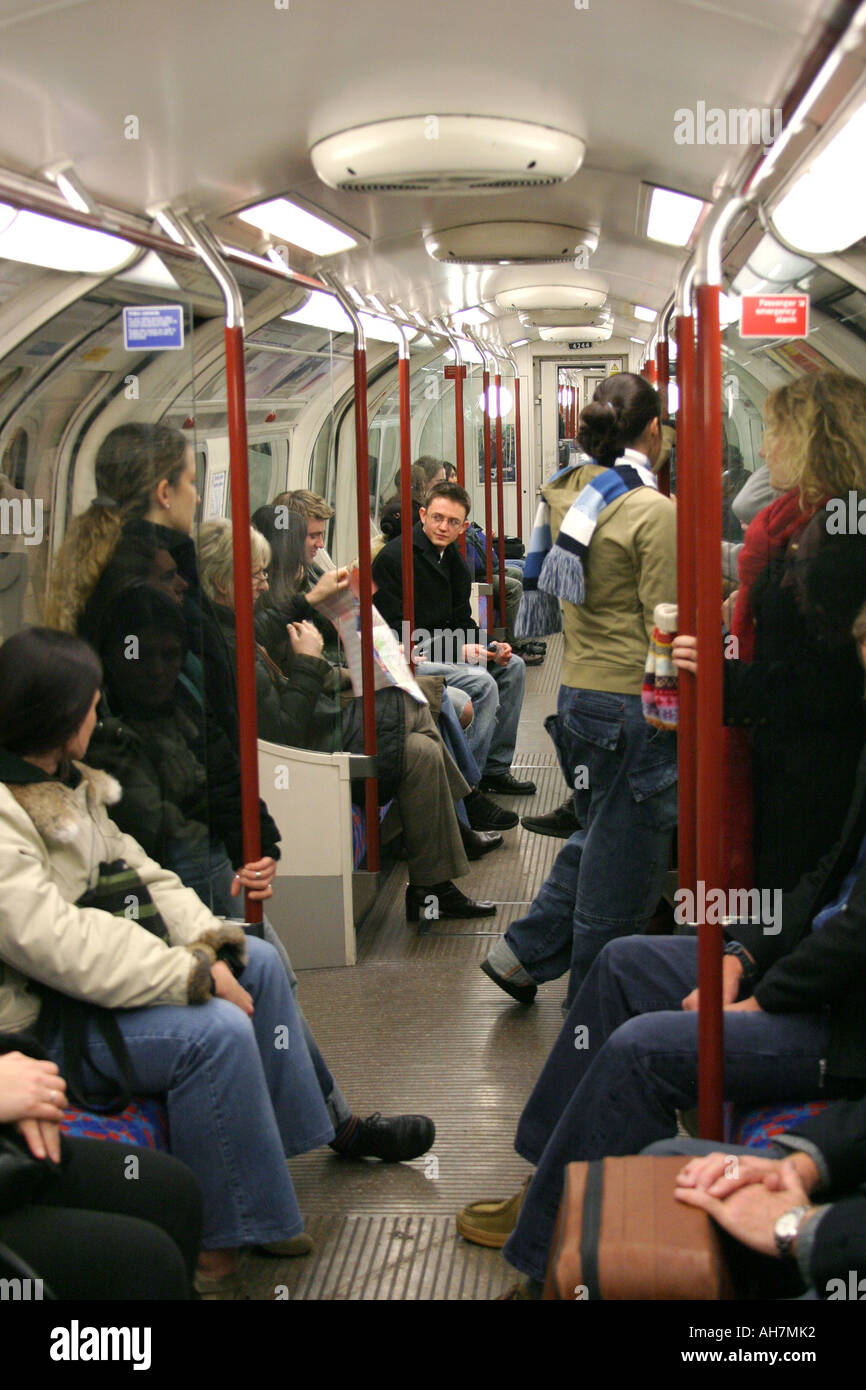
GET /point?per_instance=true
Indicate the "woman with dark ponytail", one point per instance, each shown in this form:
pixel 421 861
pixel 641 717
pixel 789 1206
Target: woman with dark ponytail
pixel 613 561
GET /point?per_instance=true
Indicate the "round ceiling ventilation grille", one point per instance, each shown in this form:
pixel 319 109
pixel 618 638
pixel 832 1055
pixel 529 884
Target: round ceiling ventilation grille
pixel 514 243
pixel 565 318
pixel 446 154
pixel 586 333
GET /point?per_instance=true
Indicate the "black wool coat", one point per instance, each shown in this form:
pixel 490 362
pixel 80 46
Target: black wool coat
pixel 442 594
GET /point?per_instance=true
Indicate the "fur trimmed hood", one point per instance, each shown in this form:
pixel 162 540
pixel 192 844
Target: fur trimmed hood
pixel 54 807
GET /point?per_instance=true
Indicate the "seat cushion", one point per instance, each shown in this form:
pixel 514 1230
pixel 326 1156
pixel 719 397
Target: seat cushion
pixel 144 1122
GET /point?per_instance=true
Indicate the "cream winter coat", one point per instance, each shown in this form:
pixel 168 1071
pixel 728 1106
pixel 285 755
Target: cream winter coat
pixel 52 840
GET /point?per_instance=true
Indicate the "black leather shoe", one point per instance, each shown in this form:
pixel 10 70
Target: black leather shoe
pixel 506 784
pixel 393 1138
pixel 524 994
pixel 477 843
pixel 486 815
pixel 445 900
pixel 562 823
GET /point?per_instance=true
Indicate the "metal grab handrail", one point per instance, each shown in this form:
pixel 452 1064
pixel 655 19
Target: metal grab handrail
pixel 362 483
pixel 199 237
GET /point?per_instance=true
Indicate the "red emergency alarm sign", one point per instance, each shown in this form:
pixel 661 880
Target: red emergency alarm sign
pixel 774 316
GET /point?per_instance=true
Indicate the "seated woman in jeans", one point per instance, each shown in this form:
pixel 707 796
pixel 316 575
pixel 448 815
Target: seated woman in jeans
pixel 617 562
pixel 194 1030
pixel 83 1227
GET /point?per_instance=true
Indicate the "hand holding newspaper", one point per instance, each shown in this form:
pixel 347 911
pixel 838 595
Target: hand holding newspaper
pixel 389 665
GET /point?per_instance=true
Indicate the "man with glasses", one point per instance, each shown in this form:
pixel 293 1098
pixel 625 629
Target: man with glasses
pixel 447 638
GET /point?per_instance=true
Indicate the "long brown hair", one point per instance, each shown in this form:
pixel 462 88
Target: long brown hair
pixel 821 424
pixel 132 460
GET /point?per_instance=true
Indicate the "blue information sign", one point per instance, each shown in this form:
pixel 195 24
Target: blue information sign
pixel 153 327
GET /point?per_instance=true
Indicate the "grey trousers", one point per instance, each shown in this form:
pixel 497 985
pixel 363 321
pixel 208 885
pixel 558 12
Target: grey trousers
pixel 424 805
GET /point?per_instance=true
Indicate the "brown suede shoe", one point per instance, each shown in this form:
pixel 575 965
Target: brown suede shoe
pixel 490 1223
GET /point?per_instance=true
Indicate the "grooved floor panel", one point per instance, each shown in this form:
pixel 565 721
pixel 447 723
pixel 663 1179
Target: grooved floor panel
pixel 415 1026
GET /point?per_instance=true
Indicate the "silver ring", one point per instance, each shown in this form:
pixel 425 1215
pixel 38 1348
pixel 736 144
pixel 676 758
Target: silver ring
pixel 53 1097
pixel 258 873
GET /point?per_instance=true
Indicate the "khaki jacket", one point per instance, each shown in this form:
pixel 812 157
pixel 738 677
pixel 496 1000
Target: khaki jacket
pixel 52 839
pixel 631 566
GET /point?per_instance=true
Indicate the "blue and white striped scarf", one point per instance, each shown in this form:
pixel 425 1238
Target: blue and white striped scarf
pixel 554 572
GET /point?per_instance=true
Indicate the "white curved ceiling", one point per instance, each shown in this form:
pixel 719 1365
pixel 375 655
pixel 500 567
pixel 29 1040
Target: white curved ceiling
pixel 229 96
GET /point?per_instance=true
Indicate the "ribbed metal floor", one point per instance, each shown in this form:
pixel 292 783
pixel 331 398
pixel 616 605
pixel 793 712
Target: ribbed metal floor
pixel 415 1026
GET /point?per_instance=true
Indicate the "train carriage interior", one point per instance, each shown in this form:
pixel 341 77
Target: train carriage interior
pixel 274 228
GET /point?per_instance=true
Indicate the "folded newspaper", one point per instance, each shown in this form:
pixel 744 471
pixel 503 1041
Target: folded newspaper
pixel 389 665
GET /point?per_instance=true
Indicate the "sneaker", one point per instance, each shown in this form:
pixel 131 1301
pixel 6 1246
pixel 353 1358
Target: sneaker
pixel 506 784
pixel 393 1139
pixel 486 815
pixel 561 823
pixel 490 1223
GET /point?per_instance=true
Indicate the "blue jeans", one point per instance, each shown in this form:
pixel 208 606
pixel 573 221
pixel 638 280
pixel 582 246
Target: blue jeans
pixel 607 879
pixel 626 1060
pixel 208 871
pixel 242 1096
pixel 454 738
pixel 496 693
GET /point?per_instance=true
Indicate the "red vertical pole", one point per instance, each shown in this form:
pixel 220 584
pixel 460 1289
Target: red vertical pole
pixel 458 372
pixel 406 530
pixel 500 498
pixel 488 487
pixel 362 467
pixel 663 375
pixel 518 465
pixel 243 585
pixel 687 611
pixel 573 412
pixel 710 704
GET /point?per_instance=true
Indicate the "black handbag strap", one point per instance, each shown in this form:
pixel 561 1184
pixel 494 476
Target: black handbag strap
pixel 120 891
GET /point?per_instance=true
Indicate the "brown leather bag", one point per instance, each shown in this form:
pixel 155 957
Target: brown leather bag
pixel 620 1234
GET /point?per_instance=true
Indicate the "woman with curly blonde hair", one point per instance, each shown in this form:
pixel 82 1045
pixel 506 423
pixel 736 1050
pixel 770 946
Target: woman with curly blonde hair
pixel 796 684
pixel 143 473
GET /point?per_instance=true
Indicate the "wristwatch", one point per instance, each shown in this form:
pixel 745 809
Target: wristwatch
pixel 787 1228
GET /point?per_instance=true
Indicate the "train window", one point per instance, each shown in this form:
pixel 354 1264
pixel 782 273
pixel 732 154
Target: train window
pixel 14 464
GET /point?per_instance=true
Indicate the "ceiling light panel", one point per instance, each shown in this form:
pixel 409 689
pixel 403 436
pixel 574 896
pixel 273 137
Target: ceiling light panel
pixel 284 219
pixel 672 216
pixel 46 241
pixel 825 210
pixel 644 314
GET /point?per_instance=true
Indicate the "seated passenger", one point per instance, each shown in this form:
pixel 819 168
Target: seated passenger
pixel 613 561
pixel 237 1104
pixel 182 800
pixel 414 768
pixel 285 600
pixel 794 683
pixel 425 472
pixel 84 1228
pixel 146 496
pixel 495 682
pixel 794 994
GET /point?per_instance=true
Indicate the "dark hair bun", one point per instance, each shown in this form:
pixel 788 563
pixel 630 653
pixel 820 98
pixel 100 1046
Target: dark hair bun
pixel 599 431
pixel 617 415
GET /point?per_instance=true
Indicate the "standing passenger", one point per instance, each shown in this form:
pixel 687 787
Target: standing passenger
pixel 614 560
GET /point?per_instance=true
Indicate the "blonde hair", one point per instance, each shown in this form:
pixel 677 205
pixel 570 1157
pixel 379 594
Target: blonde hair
pixel 306 503
pixel 131 462
pixel 821 424
pixel 216 561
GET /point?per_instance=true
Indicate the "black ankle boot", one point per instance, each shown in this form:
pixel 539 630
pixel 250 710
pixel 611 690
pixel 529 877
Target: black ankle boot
pixel 432 903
